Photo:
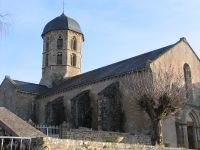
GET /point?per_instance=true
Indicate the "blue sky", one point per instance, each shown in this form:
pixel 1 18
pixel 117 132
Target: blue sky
pixel 113 29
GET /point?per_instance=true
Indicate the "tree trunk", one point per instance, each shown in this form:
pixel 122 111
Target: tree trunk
pixel 156 134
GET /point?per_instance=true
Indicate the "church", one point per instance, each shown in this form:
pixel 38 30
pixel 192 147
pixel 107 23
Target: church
pixel 86 99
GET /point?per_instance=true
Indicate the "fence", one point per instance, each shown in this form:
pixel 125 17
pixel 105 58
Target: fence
pixel 51 131
pixel 15 142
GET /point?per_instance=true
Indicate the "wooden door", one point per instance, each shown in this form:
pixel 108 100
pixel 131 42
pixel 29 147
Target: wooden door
pixel 190 132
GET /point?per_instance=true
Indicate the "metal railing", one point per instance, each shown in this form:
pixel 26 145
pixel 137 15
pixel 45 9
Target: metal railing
pixel 51 131
pixel 13 142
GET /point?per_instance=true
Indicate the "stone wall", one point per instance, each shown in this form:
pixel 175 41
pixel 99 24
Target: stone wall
pixel 17 102
pixel 67 144
pixel 100 136
pixel 24 106
pixel 8 94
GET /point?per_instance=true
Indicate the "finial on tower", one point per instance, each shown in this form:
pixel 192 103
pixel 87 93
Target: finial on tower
pixel 63 5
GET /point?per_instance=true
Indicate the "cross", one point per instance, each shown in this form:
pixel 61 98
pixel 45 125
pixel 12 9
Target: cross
pixel 63 5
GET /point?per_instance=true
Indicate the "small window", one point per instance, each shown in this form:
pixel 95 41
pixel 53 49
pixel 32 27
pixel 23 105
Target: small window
pixel 59 58
pixel 47 60
pixel 73 59
pixel 47 44
pixel 60 42
pixel 188 80
pixel 4 91
pixel 73 43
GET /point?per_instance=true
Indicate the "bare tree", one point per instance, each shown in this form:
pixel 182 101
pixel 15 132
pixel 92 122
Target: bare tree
pixel 5 23
pixel 159 92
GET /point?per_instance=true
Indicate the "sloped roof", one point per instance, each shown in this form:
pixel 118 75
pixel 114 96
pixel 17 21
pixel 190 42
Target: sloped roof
pixel 16 126
pixel 134 63
pixel 30 87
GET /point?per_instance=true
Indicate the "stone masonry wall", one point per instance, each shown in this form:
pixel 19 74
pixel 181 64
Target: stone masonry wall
pixel 24 106
pixel 92 135
pixel 67 144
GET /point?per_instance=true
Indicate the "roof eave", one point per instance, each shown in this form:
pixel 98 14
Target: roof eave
pixel 63 29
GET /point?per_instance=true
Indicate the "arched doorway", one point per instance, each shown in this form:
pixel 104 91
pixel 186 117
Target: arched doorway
pixel 192 130
pixel 188 130
pixel 190 134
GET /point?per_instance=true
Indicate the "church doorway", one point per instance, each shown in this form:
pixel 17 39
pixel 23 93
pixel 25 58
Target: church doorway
pixel 189 130
pixel 190 133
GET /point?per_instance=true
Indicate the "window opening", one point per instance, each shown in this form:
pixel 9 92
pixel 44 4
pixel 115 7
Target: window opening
pixel 59 58
pixel 188 80
pixel 73 43
pixel 60 42
pixel 73 59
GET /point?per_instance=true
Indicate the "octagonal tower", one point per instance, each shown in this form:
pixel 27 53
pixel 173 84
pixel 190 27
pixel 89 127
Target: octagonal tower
pixel 62 47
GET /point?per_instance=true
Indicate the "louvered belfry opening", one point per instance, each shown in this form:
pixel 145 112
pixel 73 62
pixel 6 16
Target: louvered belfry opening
pixel 73 59
pixel 59 58
pixel 60 42
pixel 73 44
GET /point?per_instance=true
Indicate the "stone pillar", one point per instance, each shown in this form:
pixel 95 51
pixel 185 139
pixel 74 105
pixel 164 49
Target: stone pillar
pixel 65 127
pixel 185 136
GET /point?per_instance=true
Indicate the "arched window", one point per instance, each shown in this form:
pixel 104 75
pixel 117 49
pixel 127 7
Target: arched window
pixel 73 43
pixel 188 80
pixel 60 42
pixel 59 58
pixel 73 59
pixel 47 44
pixel 81 112
pixel 47 61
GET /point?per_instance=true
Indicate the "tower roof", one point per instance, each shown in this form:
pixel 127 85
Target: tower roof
pixel 62 22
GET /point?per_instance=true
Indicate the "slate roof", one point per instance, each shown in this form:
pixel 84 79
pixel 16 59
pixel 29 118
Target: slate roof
pixel 31 87
pixel 62 22
pixel 134 63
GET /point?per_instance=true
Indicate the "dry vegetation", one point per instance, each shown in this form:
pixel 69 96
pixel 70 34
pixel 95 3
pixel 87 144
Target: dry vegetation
pixel 159 93
pixel 6 23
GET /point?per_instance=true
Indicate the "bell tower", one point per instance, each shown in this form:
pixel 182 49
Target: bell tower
pixel 62 48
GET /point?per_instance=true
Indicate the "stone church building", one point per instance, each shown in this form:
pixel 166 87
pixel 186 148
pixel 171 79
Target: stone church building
pixel 87 99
